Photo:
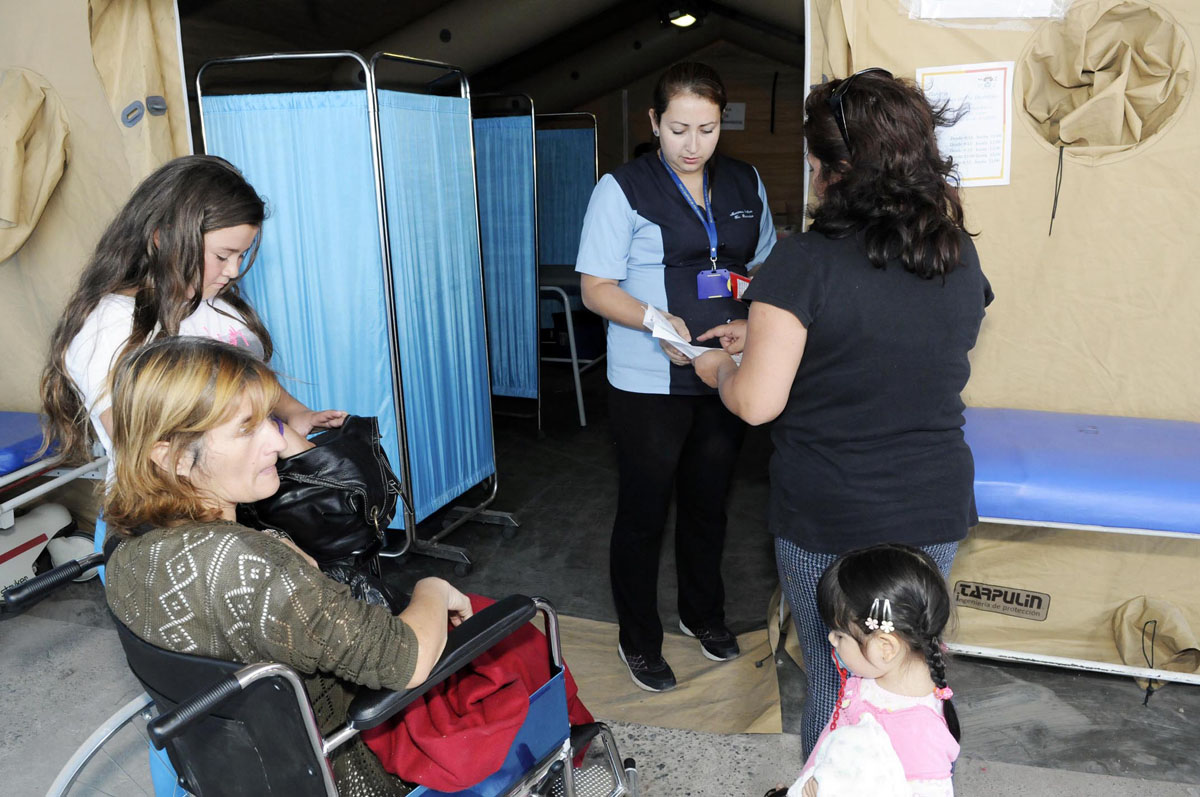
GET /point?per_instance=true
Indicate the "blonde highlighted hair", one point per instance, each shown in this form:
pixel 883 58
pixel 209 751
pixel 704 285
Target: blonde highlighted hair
pixel 173 391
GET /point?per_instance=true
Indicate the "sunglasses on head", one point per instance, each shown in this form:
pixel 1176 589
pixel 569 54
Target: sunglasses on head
pixel 837 99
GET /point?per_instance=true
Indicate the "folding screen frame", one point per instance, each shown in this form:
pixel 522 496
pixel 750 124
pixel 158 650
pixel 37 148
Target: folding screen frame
pixel 517 100
pixel 556 291
pixel 458 515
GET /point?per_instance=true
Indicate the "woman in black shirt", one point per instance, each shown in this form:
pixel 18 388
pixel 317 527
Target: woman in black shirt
pixel 857 342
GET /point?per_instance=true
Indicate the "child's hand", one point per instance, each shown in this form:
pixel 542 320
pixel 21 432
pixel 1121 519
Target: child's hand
pixel 305 422
pixel 810 788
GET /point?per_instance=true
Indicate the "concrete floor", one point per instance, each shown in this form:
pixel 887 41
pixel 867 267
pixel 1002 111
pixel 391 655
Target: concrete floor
pixel 1027 730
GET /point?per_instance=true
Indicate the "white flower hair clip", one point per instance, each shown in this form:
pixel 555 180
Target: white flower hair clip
pixel 871 623
pixel 879 618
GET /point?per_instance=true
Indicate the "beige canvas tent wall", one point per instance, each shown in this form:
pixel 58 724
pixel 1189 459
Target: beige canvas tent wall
pixel 1099 317
pixel 93 61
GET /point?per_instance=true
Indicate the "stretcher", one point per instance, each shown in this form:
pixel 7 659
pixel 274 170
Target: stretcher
pixel 24 478
pixel 1093 473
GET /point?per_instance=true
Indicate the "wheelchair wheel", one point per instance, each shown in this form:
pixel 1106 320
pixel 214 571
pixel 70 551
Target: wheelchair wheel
pixel 114 758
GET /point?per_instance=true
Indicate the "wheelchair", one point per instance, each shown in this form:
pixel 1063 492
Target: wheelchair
pixel 237 729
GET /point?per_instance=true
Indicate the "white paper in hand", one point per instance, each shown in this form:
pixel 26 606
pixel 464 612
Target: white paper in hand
pixel 661 328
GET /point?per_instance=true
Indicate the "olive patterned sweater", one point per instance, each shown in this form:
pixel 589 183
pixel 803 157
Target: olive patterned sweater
pixel 222 590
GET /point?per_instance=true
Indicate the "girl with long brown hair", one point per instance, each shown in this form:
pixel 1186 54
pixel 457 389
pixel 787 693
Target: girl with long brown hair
pixel 167 265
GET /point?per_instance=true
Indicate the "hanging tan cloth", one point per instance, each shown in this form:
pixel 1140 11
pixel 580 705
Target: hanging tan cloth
pixel 1155 633
pixel 1107 78
pixel 33 153
pixel 135 51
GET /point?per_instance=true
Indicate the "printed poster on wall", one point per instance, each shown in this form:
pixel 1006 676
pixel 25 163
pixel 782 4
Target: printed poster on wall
pixel 981 142
pixel 987 9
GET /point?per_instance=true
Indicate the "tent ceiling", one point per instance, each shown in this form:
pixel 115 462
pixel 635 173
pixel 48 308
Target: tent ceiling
pixel 535 46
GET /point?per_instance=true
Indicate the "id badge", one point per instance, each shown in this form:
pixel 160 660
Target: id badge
pixel 713 284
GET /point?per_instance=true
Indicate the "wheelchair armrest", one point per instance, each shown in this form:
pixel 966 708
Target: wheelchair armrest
pixel 38 587
pixel 464 643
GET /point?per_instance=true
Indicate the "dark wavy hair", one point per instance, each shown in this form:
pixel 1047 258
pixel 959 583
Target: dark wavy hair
pixel 154 247
pixel 910 579
pixel 890 182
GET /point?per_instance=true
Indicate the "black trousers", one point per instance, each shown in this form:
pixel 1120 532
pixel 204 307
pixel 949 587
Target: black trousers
pixel 681 445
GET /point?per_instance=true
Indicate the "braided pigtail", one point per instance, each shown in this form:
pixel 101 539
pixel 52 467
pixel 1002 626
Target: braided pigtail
pixel 937 671
pixel 892 589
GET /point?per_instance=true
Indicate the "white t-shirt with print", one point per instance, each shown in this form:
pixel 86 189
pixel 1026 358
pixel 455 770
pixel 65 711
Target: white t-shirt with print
pixel 92 354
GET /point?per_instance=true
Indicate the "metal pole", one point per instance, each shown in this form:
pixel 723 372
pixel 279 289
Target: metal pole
pixel 381 220
pixel 537 261
pixel 1001 654
pixel 389 292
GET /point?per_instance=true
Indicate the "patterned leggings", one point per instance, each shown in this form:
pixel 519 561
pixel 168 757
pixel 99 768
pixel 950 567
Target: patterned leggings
pixel 799 572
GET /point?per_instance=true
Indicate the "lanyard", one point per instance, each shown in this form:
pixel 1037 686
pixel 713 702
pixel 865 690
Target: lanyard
pixel 706 219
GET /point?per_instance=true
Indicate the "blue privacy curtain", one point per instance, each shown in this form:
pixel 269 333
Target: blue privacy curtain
pixel 504 165
pixel 434 240
pixel 566 174
pixel 317 281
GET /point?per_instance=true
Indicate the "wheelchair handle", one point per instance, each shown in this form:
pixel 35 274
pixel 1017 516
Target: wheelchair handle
pixel 169 725
pixel 38 587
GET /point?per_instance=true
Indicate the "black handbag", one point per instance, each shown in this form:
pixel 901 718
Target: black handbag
pixel 335 499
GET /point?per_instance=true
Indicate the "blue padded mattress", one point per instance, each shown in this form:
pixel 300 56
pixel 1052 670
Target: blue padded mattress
pixel 20 437
pixel 1092 470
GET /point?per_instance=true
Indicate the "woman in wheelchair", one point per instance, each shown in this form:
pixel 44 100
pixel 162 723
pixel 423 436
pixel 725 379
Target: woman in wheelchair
pixel 194 437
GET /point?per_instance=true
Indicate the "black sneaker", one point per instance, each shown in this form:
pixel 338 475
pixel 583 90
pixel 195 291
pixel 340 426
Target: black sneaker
pixel 651 673
pixel 716 642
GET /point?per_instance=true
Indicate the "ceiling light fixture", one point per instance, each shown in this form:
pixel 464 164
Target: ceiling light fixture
pixel 682 14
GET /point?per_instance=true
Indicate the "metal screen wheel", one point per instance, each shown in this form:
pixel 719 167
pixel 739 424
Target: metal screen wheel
pixel 114 760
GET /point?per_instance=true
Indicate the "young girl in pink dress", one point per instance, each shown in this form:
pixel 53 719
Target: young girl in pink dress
pixel 894 730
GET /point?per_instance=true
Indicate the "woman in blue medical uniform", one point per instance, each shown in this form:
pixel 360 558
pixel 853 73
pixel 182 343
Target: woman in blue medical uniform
pixel 667 231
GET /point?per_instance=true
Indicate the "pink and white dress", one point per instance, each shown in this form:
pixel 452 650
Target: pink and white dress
pixel 885 744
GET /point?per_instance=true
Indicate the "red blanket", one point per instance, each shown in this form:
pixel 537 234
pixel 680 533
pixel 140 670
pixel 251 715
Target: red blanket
pixel 460 732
